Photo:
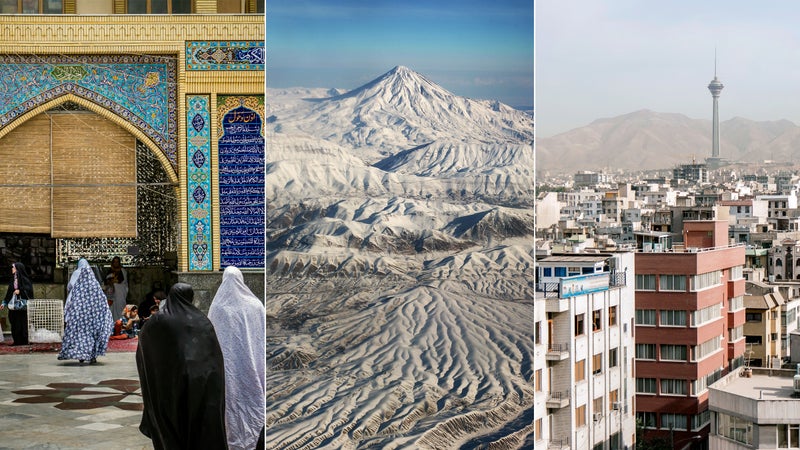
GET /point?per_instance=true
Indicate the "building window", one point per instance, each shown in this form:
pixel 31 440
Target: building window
pixel 706 280
pixel 538 382
pixel 671 421
pixel 572 271
pixel 579 325
pixel 706 348
pixel 561 271
pixel 645 385
pixel 646 419
pixel 613 397
pixel 580 370
pixel 612 358
pixel 701 420
pixel 161 7
pixel 752 317
pixel 673 318
pixel 788 436
pixel 706 315
pixel 671 386
pixel 734 334
pixel 597 364
pixel 31 7
pixel 537 333
pixel 646 351
pixel 773 336
pixel 671 352
pixel 756 340
pixel 737 272
pixel 645 317
pixel 612 316
pixel 597 320
pixel 672 283
pixel 735 428
pixel 580 416
pixel 646 282
pixel 597 406
pixel 547 271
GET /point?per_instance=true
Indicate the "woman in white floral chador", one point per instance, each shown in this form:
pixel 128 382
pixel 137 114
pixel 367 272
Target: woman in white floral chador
pixel 87 317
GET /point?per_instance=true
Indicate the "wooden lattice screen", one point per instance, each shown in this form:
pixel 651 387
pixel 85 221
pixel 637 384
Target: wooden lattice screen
pixel 83 168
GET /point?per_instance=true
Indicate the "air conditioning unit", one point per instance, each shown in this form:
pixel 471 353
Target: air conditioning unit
pixel 616 406
pixel 597 416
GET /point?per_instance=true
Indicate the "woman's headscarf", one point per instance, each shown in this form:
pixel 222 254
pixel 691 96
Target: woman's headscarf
pixel 182 377
pixel 87 317
pixel 239 320
pixel 24 283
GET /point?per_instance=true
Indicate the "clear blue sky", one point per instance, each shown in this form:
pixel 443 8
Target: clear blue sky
pixel 604 58
pixel 474 48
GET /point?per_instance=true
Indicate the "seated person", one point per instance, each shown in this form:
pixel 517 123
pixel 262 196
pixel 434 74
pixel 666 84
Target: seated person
pixel 127 326
pixel 153 310
pixel 154 298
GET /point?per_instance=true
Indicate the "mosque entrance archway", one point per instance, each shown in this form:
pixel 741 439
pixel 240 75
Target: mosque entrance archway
pixel 76 184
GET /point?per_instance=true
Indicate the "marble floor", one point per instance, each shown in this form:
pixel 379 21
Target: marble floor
pixel 50 404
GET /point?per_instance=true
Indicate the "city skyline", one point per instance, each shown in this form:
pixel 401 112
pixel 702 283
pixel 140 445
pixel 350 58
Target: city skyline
pixel 472 48
pixel 604 59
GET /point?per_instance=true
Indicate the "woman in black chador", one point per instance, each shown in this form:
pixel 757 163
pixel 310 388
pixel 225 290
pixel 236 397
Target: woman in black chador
pixel 21 286
pixel 182 376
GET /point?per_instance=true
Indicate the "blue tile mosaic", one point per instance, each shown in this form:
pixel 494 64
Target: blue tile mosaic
pixel 198 183
pixel 241 181
pixel 140 89
pixel 225 55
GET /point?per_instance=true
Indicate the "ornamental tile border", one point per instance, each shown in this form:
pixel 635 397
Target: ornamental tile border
pixel 198 183
pixel 140 89
pixel 225 55
pixel 241 181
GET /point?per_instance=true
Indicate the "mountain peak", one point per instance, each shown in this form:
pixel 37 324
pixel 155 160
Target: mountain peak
pixel 399 69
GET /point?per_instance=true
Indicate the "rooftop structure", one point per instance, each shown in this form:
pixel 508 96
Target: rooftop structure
pixel 755 409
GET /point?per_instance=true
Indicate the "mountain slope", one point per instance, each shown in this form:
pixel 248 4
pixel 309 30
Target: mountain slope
pixel 399 229
pixel 651 140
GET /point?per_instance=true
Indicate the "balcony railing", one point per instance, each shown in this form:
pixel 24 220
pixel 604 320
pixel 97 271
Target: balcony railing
pixel 558 399
pixel 618 279
pixel 558 443
pixel 557 352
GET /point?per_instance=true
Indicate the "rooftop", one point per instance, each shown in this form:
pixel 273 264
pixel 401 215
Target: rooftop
pixel 761 386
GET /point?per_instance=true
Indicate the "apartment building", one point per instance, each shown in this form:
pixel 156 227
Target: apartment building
pixel 584 380
pixel 762 328
pixel 689 329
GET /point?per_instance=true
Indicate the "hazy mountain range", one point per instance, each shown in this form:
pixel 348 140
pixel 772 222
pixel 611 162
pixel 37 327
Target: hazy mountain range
pixel 399 295
pixel 652 140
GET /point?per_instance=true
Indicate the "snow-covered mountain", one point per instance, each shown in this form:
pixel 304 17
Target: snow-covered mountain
pixel 399 268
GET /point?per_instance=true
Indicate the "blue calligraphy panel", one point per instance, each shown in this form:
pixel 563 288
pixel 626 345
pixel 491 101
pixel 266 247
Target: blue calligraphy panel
pixel 225 55
pixel 241 182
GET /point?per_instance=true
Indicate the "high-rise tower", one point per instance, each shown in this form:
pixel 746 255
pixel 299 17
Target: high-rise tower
pixel 716 88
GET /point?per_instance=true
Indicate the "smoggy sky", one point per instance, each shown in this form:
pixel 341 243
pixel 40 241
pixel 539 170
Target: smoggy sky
pixel 473 48
pixel 604 58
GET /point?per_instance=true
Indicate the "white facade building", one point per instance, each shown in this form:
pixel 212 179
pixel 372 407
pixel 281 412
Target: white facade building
pixel 584 310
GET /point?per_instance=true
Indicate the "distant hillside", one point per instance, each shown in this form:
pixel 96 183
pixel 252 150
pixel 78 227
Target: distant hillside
pixel 652 140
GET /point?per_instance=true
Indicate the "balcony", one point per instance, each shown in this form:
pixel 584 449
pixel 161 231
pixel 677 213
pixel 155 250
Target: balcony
pixel 557 352
pixel 558 399
pixel 558 444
